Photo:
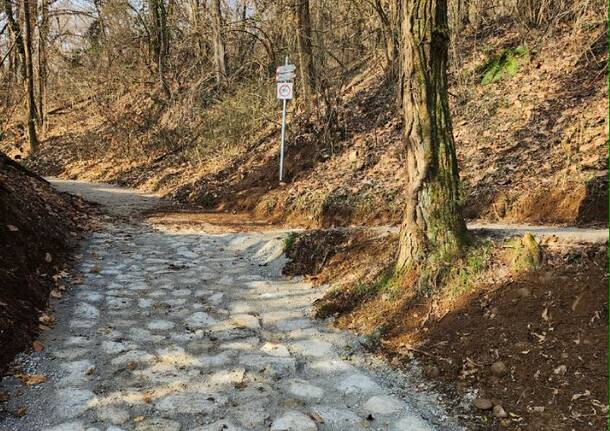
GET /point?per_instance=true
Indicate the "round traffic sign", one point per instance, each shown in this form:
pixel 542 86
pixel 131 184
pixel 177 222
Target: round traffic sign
pixel 284 90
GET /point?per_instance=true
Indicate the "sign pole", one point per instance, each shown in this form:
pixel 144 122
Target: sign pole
pixel 285 104
pixel 284 76
pixel 282 140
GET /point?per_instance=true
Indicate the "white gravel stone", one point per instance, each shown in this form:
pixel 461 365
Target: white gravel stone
pixel 358 383
pixel 114 415
pixel 200 319
pixel 86 311
pixel 319 349
pixel 275 350
pixel 293 421
pixel 383 405
pixel 73 402
pixel 305 391
pixel 411 423
pixel 70 426
pixel 160 325
pixel 137 356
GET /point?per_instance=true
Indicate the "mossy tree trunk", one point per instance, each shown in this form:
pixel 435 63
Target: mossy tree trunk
pixel 433 225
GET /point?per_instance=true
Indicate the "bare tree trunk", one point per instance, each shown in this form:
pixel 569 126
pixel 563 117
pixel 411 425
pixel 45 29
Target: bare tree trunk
pixel 306 65
pixel 23 44
pixel 43 31
pixel 433 225
pixel 160 40
pixel 220 56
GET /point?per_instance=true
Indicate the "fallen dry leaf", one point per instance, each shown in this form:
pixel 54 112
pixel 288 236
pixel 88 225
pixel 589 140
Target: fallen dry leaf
pixel 37 346
pixel 56 293
pixel 46 319
pixel 44 327
pixel 95 269
pixel 4 397
pixel 20 411
pixel 12 228
pixel 31 379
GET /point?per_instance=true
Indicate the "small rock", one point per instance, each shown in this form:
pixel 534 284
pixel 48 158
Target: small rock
pixel 499 369
pixel 293 421
pixel 499 411
pixel 482 403
pixel 382 405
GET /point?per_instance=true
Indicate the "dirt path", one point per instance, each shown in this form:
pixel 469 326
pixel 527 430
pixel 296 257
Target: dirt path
pixel 182 330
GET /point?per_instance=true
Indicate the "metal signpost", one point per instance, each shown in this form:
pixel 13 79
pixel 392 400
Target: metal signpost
pixel 284 77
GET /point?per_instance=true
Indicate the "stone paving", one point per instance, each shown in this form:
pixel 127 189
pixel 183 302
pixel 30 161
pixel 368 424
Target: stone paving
pixel 182 331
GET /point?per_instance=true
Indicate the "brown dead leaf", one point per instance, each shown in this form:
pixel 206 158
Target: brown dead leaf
pixel 96 269
pixel 4 397
pixel 56 293
pixel 44 327
pixel 21 411
pixel 46 319
pixel 37 346
pixel 12 228
pixel 31 379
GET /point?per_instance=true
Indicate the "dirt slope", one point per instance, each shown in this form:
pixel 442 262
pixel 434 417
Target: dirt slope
pixel 548 327
pixel 38 228
pixel 532 146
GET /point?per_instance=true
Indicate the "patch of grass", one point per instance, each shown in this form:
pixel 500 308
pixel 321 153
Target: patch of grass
pixel 503 65
pixel 289 241
pixel 463 276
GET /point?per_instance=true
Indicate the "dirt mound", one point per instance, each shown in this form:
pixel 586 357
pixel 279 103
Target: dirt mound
pixel 38 228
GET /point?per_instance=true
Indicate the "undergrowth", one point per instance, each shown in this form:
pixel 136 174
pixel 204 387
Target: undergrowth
pixel 503 65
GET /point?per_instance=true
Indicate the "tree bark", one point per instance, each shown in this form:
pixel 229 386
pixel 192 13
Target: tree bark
pixel 43 31
pixel 23 44
pixel 220 56
pixel 306 64
pixel 433 223
pixel 160 40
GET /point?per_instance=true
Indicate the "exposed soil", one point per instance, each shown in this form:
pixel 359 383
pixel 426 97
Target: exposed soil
pixel 548 326
pixel 38 229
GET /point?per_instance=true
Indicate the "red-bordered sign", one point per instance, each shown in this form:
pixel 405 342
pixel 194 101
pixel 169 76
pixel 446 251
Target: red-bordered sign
pixel 285 90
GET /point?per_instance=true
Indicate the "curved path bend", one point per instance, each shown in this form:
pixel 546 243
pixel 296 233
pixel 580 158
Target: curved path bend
pixel 194 331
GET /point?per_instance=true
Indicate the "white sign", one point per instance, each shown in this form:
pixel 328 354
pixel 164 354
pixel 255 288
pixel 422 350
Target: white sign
pixel 284 90
pixel 285 76
pixel 287 68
